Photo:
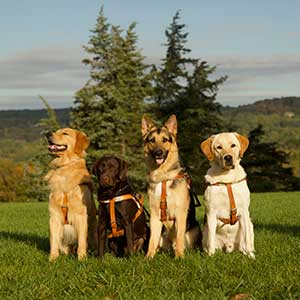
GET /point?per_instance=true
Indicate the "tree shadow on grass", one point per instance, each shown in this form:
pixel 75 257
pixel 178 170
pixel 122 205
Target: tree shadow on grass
pixel 293 230
pixel 41 243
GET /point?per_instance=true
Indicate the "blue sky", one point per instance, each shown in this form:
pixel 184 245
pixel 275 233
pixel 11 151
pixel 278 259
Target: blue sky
pixel 256 43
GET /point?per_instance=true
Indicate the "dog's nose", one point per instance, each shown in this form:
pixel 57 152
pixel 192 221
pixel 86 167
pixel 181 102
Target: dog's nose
pixel 158 152
pixel 228 159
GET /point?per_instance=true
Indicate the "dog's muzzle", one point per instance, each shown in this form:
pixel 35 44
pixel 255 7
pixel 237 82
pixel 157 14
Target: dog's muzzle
pixel 159 155
pixel 106 181
pixel 228 159
pixel 53 147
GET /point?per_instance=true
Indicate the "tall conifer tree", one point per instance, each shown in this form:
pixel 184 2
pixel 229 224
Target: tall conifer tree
pixel 183 87
pixel 266 166
pixel 110 106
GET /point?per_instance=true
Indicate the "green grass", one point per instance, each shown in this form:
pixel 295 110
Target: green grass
pixel 25 272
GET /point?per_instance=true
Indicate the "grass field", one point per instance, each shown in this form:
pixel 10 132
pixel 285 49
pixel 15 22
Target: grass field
pixel 25 272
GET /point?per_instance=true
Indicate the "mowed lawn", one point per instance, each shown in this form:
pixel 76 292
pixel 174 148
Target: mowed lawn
pixel 25 272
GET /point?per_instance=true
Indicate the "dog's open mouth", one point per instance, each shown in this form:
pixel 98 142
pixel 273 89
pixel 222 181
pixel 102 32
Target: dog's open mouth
pixel 52 147
pixel 159 160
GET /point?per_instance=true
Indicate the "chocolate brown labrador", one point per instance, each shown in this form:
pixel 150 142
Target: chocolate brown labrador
pixel 122 220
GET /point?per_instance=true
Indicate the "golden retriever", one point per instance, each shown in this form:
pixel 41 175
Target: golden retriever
pixel 71 206
pixel 172 221
pixel 227 198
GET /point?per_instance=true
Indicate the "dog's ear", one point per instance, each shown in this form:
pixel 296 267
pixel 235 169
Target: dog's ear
pixel 244 142
pixel 147 124
pixel 123 168
pixel 206 147
pixel 82 142
pixel 171 124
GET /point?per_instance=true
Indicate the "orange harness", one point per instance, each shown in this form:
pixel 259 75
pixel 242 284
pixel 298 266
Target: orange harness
pixel 163 199
pixel 233 210
pixel 64 209
pixel 113 223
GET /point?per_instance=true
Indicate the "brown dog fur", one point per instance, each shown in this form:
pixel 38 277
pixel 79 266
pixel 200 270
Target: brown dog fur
pixel 70 178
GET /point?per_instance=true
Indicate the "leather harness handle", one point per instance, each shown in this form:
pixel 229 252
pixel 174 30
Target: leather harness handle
pixel 163 202
pixel 233 211
pixel 64 209
pixel 112 211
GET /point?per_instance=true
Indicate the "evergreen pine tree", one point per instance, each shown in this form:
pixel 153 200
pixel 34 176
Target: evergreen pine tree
pixel 183 87
pixel 109 107
pixel 266 166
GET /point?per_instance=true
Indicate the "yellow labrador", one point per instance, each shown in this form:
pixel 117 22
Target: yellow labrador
pixel 227 198
pixel 71 207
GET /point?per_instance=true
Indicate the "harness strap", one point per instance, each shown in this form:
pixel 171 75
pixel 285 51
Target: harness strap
pixel 163 197
pixel 113 223
pixel 163 201
pixel 64 209
pixel 233 210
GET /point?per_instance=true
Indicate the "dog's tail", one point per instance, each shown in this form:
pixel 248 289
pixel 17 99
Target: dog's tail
pixel 70 235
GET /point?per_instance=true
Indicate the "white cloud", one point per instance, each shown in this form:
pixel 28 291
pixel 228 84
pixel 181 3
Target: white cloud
pixel 57 73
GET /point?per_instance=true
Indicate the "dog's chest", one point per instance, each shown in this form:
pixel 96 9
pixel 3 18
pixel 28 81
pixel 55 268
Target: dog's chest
pixel 217 198
pixel 158 192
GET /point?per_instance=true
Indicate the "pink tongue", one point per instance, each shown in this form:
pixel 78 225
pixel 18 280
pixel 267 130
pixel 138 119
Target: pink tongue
pixel 52 147
pixel 159 161
pixel 56 147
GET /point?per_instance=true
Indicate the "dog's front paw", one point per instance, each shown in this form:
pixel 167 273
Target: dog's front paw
pixel 179 254
pixel 150 254
pixel 210 252
pixel 81 254
pixel 53 257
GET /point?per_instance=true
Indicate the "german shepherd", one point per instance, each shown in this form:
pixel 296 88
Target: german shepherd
pixel 175 225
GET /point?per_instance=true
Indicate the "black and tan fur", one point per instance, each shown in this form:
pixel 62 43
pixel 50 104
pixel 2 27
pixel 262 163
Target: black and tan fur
pixel 181 229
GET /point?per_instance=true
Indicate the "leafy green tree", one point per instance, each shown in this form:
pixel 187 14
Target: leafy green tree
pixel 266 166
pixel 183 87
pixel 110 105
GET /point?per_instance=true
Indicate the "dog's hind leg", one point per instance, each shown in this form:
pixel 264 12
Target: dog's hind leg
pixel 155 234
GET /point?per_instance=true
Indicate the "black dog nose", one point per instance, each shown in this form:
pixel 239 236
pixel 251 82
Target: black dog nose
pixel 228 159
pixel 158 152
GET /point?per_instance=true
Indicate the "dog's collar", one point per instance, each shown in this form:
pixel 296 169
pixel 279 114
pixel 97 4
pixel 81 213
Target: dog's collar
pixel 54 165
pixel 225 183
pixel 118 198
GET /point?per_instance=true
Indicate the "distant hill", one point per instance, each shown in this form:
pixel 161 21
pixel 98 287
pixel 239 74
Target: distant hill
pixel 280 119
pixel 287 106
pixel 21 124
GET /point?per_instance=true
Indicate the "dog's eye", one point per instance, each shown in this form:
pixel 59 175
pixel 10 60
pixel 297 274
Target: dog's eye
pixel 64 133
pixel 233 145
pixel 152 140
pixel 165 140
pixel 219 148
